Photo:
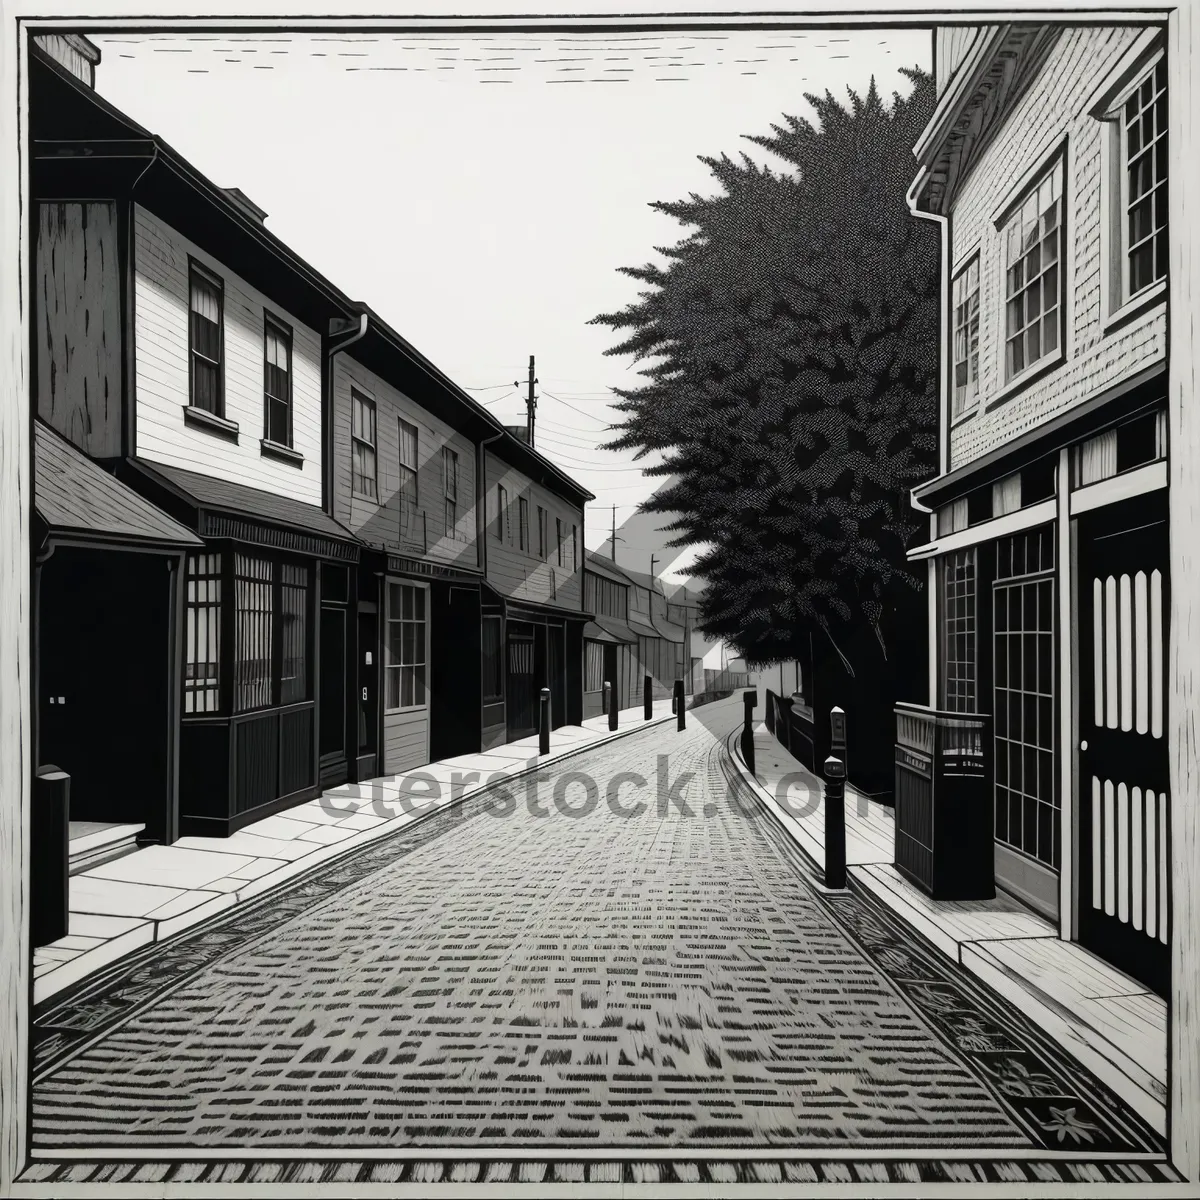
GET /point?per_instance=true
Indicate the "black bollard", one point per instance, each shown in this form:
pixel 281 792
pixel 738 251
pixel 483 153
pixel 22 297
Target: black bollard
pixel 544 724
pixel 680 707
pixel 648 697
pixel 50 853
pixel 610 703
pixel 835 823
pixel 750 702
pixel 837 736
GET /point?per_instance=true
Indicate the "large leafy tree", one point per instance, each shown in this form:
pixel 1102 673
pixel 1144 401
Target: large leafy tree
pixel 790 350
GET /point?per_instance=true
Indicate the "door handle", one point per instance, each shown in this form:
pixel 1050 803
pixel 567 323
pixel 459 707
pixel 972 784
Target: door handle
pixel 364 694
pixel 1083 744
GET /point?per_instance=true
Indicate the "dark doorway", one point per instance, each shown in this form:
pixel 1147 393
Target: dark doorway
pixel 333 695
pixel 368 699
pixel 610 672
pixel 104 685
pixel 1124 781
pixel 455 671
pixel 557 673
pixel 523 676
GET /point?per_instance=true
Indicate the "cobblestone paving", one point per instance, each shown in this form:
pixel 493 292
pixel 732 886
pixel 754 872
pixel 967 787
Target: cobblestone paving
pixel 665 979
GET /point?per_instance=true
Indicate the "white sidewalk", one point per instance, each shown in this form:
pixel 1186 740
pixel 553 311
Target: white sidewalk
pixel 159 891
pixel 1111 1023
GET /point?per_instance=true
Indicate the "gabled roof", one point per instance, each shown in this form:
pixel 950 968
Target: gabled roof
pixel 599 565
pixel 76 497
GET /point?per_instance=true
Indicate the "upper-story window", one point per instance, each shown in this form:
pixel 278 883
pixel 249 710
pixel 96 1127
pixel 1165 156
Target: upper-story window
pixel 362 446
pixel 1033 277
pixel 501 511
pixel 574 549
pixel 966 337
pixel 558 529
pixel 1144 181
pixel 523 522
pixel 450 490
pixel 206 341
pixel 541 532
pixel 407 490
pixel 277 381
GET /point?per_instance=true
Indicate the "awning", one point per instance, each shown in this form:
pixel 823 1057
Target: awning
pixel 642 629
pixel 669 631
pixel 222 509
pixel 79 501
pixel 609 629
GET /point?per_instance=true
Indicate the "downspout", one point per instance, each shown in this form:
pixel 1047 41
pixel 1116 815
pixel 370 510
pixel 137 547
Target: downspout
pixel 943 223
pixel 327 409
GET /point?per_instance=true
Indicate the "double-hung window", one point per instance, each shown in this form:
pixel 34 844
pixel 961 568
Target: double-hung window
pixel 558 528
pixel 541 519
pixel 206 346
pixel 277 382
pixel 450 490
pixel 1144 182
pixel 405 646
pixel 1033 277
pixel 574 550
pixel 966 337
pixel 523 522
pixel 362 446
pixel 407 489
pixel 501 510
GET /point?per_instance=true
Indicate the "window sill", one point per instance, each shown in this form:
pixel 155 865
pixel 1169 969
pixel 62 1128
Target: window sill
pixel 1025 379
pixel 410 708
pixel 210 422
pixel 270 449
pixel 964 416
pixel 356 495
pixel 1135 306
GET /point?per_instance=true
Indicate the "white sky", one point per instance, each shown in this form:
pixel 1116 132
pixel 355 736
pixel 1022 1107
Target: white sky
pixel 480 192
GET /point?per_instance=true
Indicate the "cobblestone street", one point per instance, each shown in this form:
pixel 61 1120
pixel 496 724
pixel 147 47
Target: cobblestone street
pixel 667 977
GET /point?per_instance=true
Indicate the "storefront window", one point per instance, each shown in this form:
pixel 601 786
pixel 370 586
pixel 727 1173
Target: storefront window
pixel 406 644
pixel 959 657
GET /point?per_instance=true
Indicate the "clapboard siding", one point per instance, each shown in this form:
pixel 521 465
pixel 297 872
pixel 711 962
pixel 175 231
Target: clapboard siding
pixel 162 315
pixel 424 532
pixel 78 324
pixel 522 574
pixel 405 740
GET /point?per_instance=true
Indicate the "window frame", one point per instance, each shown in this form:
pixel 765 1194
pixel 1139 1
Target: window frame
pixel 358 396
pixel 450 491
pixel 197 270
pixel 523 523
pixel 501 511
pixel 203 610
pixel 1052 168
pixel 558 530
pixel 388 665
pixel 971 400
pixel 1147 72
pixel 282 329
pixel 408 488
pixel 541 517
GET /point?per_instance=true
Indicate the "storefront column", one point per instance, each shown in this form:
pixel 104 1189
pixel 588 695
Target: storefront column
pixel 1064 584
pixel 1183 697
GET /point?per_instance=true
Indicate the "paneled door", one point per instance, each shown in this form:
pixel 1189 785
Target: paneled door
pixel 1123 767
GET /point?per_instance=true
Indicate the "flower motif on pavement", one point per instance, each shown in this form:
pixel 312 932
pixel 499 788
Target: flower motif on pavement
pixel 1064 1122
pixel 1014 1078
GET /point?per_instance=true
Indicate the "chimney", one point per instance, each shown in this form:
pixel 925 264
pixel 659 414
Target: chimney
pixel 246 204
pixel 72 51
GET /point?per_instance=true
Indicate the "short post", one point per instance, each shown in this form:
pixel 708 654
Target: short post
pixel 750 702
pixel 648 696
pixel 835 823
pixel 837 734
pixel 50 852
pixel 610 704
pixel 544 724
pixel 680 713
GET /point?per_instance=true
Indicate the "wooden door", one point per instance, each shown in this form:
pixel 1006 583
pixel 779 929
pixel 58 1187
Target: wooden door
pixel 522 688
pixel 1123 767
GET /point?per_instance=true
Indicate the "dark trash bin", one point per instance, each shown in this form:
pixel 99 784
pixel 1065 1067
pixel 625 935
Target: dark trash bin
pixel 50 854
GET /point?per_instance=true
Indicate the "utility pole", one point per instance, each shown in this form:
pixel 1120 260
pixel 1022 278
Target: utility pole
pixel 530 402
pixel 653 560
pixel 614 534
